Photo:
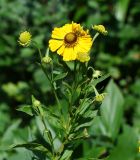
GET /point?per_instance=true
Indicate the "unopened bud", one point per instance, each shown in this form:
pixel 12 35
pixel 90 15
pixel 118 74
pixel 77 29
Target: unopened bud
pixel 100 28
pixel 25 38
pixel 36 103
pixel 85 132
pixel 46 59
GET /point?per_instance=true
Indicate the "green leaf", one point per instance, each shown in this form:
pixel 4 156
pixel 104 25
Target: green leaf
pixel 67 154
pixel 10 130
pixel 22 154
pixel 95 151
pixel 96 81
pixel 57 142
pixel 121 9
pixel 111 111
pixel 84 105
pixel 26 109
pixel 35 147
pixel 60 76
pixel 126 146
pixel 84 125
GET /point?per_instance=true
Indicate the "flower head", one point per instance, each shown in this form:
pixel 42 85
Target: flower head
pixel 100 28
pixel 97 74
pixel 100 97
pixel 25 38
pixel 70 41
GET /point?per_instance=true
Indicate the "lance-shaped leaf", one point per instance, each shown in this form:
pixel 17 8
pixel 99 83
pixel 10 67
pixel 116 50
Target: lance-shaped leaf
pixel 127 145
pixel 111 111
pixel 67 154
pixel 60 76
pixel 26 109
pixel 36 148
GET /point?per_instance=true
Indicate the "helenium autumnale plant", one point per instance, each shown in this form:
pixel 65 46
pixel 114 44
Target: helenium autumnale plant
pixel 74 92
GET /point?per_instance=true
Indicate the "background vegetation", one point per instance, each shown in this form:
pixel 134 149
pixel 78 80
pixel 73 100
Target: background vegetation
pixel 118 54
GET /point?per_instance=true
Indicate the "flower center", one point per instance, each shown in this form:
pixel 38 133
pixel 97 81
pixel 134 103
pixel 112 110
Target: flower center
pixel 70 38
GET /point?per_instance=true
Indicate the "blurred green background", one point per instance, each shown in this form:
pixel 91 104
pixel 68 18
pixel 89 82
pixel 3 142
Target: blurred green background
pixel 118 53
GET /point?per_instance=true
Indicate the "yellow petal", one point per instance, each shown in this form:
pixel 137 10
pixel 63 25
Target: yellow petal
pixel 76 27
pixel 55 44
pixel 61 50
pixel 69 54
pixel 84 45
pixel 67 28
pixel 58 33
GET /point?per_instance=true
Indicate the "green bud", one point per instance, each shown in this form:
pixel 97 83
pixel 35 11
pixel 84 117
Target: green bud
pixel 36 103
pixel 46 59
pixel 85 132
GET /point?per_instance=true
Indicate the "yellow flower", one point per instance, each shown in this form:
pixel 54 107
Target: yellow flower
pixel 70 41
pixel 100 29
pixel 25 38
pixel 100 97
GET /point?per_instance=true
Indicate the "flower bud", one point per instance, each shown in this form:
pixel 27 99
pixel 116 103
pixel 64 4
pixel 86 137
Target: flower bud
pixel 85 133
pixel 25 38
pixel 36 103
pixel 100 28
pixel 100 97
pixel 46 59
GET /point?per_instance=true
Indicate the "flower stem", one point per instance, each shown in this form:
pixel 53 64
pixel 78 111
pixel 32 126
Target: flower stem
pixel 95 90
pixel 46 74
pixel 52 85
pixel 96 35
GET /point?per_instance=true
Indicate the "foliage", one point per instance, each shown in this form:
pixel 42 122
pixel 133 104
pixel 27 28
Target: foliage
pixel 117 54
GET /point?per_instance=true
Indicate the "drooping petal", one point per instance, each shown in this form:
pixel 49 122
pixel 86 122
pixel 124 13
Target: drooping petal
pixel 83 57
pixel 76 27
pixel 69 54
pixel 55 44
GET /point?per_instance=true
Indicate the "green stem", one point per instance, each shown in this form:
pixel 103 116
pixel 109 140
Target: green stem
pixel 39 51
pixel 96 35
pixel 73 87
pixel 95 90
pixel 49 135
pixel 52 85
pixel 75 65
pixel 46 74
